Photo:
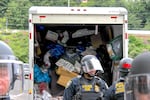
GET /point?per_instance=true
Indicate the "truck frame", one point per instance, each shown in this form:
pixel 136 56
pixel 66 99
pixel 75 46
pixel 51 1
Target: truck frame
pixel 111 21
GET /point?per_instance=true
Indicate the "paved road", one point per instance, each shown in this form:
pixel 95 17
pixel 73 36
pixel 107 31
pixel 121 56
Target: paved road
pixel 17 93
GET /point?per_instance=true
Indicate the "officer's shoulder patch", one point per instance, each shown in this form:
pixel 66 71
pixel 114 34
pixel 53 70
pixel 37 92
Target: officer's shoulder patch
pixel 68 83
pixel 119 87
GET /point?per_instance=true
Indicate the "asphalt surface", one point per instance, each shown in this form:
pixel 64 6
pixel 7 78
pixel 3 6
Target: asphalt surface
pixel 17 93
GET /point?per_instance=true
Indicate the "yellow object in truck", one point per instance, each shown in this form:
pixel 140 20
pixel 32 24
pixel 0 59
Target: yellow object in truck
pixel 65 76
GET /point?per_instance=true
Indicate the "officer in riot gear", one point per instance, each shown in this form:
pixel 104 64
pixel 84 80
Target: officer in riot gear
pixel 8 72
pixel 87 86
pixel 137 85
pixel 116 90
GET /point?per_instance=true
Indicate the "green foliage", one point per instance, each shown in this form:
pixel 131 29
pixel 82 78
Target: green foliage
pixel 55 2
pixel 16 11
pixel 137 45
pixel 135 14
pixel 147 15
pixel 101 3
pixel 17 14
pixel 19 44
pixel 3 7
pixel 2 21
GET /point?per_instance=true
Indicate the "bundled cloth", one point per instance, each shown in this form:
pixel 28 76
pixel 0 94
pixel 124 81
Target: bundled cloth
pixel 40 76
pixel 55 50
pixel 82 32
pixel 42 86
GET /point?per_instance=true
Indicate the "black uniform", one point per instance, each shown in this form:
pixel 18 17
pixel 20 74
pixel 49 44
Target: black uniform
pixel 115 91
pixel 81 88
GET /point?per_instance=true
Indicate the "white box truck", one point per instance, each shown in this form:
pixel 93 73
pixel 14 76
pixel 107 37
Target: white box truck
pixel 53 31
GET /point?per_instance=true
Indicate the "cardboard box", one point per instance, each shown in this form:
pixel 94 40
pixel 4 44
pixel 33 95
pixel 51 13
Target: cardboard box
pixel 96 40
pixel 63 80
pixel 64 72
pixel 65 76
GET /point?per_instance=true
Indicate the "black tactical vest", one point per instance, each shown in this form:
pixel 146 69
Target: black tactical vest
pixel 88 90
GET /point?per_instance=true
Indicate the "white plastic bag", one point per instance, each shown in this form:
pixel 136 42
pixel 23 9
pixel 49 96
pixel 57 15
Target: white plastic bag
pixel 46 59
pixel 53 36
pixel 46 95
pixel 82 32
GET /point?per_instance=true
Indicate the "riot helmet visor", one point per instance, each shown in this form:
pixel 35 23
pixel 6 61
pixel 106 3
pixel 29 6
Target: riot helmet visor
pixel 11 77
pixel 91 65
pixel 138 87
pixel 5 78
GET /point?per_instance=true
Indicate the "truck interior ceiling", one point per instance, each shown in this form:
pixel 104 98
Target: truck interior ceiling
pixel 63 45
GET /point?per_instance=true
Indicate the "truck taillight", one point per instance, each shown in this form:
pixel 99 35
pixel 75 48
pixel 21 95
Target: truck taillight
pixel 30 76
pixel 30 36
pixel 42 16
pixel 29 20
pixel 126 35
pixel 126 21
pixel 114 17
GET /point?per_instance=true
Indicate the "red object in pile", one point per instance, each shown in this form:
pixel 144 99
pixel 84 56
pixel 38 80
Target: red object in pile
pixel 42 86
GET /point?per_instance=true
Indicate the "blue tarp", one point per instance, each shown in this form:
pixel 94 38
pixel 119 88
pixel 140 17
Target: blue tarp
pixel 40 76
pixel 56 50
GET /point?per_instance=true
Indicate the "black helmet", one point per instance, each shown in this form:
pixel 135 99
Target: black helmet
pixel 141 64
pixel 10 69
pixel 125 65
pixel 138 82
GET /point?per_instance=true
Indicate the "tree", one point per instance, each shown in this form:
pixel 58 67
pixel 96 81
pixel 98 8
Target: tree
pixel 147 15
pixel 17 14
pixel 3 7
pixel 2 21
pixel 137 45
pixel 16 11
pixel 134 18
pixel 51 2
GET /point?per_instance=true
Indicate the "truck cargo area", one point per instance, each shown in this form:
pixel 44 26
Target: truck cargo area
pixel 58 49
